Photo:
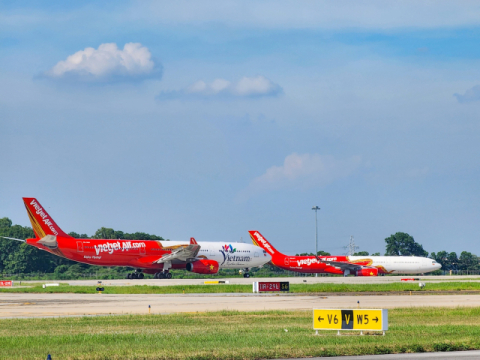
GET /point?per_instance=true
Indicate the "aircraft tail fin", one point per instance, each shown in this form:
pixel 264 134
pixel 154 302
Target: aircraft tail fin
pixel 193 241
pixel 42 223
pixel 260 241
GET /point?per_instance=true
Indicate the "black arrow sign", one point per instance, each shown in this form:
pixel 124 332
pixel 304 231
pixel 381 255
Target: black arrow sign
pixel 320 319
pixel 376 319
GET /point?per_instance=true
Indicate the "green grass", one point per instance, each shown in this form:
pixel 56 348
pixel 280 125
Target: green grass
pixel 232 335
pixel 226 288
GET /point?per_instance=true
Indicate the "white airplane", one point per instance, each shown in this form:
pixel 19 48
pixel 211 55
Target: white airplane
pixel 213 256
pixel 347 265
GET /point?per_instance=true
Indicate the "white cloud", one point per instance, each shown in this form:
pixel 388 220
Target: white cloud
pixel 108 63
pixel 470 95
pixel 303 171
pixel 246 87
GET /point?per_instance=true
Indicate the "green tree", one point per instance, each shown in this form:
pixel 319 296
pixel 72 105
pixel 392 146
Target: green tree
pixel 108 233
pixel 78 236
pixel 467 261
pixel 376 254
pixel 442 258
pixel 319 253
pixel 28 259
pixel 9 247
pixel 404 245
pixel 452 261
pixel 361 253
pixel 141 236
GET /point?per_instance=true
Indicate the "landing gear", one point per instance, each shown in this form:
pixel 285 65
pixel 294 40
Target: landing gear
pixel 136 275
pixel 163 275
pixel 246 274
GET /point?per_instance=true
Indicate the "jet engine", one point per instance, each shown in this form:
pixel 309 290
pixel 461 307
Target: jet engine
pixel 203 266
pixel 367 272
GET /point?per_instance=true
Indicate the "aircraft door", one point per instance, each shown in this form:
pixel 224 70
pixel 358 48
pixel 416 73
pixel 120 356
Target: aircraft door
pixel 142 250
pixel 287 262
pixel 80 246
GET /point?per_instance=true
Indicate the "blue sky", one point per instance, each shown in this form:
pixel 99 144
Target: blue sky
pixel 209 119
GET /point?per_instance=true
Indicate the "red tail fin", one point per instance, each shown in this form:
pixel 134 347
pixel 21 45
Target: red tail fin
pixel 259 240
pixel 42 223
pixel 193 241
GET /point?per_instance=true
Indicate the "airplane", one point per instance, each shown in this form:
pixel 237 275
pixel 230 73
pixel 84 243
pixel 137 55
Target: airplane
pixel 346 265
pixel 145 256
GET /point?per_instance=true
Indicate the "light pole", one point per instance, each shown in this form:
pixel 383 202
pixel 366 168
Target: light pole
pixel 316 208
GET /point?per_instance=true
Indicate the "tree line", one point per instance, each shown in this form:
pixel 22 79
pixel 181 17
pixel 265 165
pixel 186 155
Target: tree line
pixel 19 258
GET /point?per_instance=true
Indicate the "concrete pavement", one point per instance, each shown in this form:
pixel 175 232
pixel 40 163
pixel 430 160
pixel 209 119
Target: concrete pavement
pixel 43 305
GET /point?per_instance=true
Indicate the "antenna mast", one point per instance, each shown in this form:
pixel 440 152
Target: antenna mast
pixel 351 247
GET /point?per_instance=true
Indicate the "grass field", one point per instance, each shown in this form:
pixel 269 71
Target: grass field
pixel 232 335
pixel 226 288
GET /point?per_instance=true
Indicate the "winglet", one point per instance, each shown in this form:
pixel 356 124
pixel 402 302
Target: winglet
pixel 42 223
pixel 193 241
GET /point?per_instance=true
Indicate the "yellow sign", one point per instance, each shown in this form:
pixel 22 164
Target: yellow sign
pixel 358 319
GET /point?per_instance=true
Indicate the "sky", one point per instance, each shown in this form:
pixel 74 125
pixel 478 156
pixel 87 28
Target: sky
pixel 212 118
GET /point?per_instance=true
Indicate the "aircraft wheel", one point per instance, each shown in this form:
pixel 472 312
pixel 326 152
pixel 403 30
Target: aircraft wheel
pixel 155 276
pixel 141 276
pixel 134 276
pixel 168 276
pixel 246 275
pixel 161 275
pixel 129 276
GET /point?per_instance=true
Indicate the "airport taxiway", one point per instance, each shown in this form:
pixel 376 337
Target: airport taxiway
pixel 20 305
pixel 43 305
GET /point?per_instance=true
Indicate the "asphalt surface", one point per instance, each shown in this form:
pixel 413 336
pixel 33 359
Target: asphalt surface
pixel 475 354
pixel 45 305
pixel 20 305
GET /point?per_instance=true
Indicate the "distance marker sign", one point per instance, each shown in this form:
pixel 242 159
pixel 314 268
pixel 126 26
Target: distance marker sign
pixel 269 286
pixel 358 319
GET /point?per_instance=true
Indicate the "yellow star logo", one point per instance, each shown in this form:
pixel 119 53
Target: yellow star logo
pixel 371 273
pixel 211 267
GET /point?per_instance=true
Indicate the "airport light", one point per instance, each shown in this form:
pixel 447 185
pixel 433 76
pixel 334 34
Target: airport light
pixel 316 208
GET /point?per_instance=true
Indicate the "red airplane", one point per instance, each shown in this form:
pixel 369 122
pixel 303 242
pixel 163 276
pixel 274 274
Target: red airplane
pixel 146 256
pixel 346 265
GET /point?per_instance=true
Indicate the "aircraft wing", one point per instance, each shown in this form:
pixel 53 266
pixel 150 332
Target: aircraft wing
pixel 184 253
pixel 343 265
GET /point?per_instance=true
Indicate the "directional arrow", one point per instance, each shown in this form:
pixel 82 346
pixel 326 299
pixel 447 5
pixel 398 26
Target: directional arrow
pixel 376 319
pixel 320 319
